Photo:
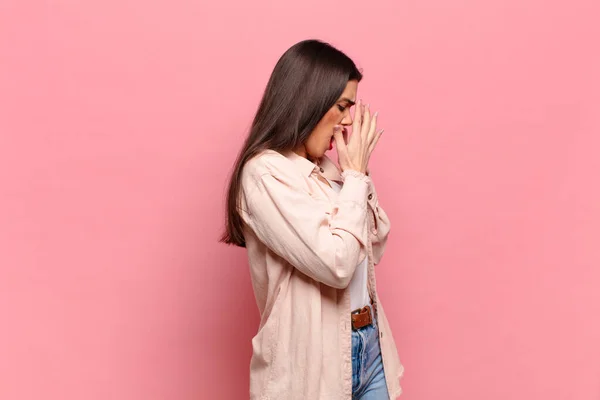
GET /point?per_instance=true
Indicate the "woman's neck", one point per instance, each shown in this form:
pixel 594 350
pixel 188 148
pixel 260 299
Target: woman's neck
pixel 301 151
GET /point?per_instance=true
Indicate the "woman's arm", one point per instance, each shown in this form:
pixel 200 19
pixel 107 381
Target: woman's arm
pixel 323 242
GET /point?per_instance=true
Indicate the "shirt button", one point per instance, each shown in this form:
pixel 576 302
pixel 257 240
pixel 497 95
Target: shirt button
pixel 321 169
pixel 371 196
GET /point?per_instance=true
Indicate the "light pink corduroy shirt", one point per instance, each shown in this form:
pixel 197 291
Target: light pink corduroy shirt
pixel 304 242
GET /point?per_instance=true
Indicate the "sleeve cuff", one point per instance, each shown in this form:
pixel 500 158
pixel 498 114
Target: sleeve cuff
pixel 354 173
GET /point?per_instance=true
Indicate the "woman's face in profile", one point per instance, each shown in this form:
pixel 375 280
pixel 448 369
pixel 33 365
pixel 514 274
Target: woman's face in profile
pixel 321 139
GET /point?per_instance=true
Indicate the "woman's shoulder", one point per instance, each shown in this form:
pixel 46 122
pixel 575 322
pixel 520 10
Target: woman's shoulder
pixel 265 161
pixel 269 162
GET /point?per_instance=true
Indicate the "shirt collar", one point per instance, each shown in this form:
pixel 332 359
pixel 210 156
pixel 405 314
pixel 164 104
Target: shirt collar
pixel 323 165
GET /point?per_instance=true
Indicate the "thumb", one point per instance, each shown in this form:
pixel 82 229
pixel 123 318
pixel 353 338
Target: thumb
pixel 339 139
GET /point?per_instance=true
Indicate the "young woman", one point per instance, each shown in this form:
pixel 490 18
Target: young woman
pixel 313 231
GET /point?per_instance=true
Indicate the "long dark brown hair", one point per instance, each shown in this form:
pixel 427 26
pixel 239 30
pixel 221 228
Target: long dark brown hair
pixel 306 82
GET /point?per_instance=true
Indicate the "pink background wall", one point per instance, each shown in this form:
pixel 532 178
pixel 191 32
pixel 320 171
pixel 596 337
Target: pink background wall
pixel 119 121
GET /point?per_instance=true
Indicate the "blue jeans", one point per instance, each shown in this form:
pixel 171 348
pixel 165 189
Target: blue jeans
pixel 368 379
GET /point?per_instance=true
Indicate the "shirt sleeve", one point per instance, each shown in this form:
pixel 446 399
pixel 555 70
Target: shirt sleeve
pixel 323 241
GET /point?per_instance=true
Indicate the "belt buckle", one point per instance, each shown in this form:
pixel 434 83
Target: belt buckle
pixel 368 309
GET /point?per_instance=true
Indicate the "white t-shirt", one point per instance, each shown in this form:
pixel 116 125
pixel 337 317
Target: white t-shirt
pixel 359 294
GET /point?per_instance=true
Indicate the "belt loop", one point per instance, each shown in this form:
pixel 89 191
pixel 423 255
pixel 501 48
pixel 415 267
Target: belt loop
pixel 373 307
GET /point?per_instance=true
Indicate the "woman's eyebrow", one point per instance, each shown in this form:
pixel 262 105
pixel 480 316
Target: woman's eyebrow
pixel 348 100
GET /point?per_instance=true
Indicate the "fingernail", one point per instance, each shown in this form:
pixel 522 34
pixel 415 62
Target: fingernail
pixel 376 113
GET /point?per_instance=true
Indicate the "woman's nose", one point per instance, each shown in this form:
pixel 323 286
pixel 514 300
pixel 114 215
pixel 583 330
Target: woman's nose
pixel 347 120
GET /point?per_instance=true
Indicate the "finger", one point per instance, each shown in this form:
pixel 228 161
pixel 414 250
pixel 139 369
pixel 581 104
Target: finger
pixel 345 135
pixel 356 122
pixel 373 127
pixel 375 140
pixel 366 124
pixel 340 142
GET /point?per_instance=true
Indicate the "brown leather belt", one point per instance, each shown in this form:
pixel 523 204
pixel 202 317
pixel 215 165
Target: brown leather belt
pixel 362 317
